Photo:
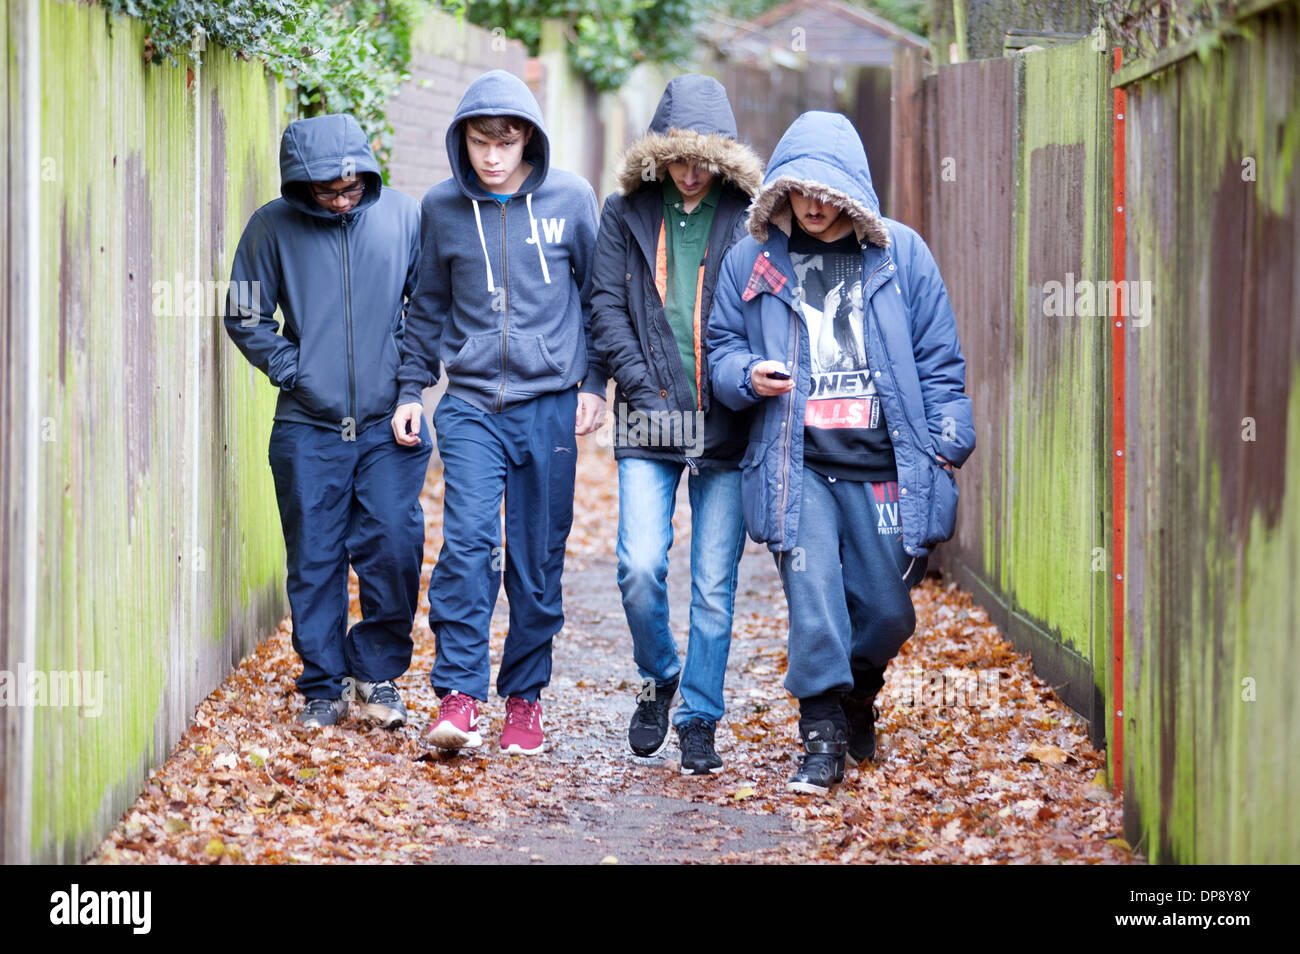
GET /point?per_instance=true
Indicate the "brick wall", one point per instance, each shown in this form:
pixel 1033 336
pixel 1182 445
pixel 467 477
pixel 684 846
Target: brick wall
pixel 446 56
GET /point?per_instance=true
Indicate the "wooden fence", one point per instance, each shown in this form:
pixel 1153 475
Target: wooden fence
pixel 141 553
pixel 1007 167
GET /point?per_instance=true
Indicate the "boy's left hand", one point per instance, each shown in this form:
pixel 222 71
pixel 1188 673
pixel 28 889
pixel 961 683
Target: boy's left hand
pixel 943 462
pixel 591 414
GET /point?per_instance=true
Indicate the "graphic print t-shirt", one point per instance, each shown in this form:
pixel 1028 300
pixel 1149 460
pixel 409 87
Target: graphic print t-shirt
pixel 844 426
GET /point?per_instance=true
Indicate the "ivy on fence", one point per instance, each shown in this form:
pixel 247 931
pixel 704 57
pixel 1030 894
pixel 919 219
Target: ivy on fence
pixel 338 57
pixel 1144 28
pixel 606 39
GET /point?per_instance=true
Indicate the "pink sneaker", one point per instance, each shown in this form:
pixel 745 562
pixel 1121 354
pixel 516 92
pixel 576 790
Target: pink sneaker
pixel 522 733
pixel 456 726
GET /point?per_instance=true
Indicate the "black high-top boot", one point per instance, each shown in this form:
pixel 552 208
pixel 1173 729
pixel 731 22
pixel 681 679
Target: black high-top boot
pixel 823 764
pixel 859 705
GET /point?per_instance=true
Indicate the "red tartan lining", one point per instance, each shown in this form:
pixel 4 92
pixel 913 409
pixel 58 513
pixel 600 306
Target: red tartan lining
pixel 765 277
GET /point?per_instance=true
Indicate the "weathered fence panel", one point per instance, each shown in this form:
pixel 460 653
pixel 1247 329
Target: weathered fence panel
pixel 1013 191
pixel 158 557
pixel 11 529
pixel 766 100
pixel 1212 722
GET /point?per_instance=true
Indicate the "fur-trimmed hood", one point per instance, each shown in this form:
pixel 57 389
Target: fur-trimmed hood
pixel 693 123
pixel 821 155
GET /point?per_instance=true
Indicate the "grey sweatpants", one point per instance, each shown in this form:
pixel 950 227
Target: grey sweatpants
pixel 847 582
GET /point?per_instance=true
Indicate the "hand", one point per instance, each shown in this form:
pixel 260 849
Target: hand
pixel 943 462
pixel 769 387
pixel 591 414
pixel 408 414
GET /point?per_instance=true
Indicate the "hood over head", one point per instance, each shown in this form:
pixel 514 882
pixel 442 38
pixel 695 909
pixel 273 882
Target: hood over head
pixel 820 155
pixel 693 123
pixel 322 149
pixel 497 93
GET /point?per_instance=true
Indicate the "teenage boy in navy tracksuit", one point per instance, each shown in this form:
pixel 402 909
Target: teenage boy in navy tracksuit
pixel 501 301
pixel 338 254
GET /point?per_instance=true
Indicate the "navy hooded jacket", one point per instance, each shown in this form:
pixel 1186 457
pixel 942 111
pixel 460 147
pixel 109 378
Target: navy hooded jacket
pixel 339 280
pixel 503 297
pixel 911 341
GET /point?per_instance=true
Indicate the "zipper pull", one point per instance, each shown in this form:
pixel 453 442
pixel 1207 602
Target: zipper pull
pixel 695 471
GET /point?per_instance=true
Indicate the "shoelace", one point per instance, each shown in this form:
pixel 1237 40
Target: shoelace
pixel 385 694
pixel 453 703
pixel 521 713
pixel 694 738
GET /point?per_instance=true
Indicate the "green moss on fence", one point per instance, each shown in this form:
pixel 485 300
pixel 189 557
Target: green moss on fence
pixel 127 588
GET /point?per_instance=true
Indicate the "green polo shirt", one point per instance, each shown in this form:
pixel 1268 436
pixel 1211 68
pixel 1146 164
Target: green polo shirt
pixel 686 235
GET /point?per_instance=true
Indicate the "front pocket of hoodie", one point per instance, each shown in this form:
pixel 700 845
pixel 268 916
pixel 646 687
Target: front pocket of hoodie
pixel 479 358
pixel 530 363
pixel 379 395
pixel 313 395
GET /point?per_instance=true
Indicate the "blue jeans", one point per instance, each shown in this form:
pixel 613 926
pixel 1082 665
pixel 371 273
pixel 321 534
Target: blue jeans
pixel 647 496
pixel 847 582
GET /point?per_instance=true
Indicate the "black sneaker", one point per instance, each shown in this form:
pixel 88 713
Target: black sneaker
pixel 380 702
pixel 699 757
pixel 823 765
pixel 319 713
pixel 861 713
pixel 648 730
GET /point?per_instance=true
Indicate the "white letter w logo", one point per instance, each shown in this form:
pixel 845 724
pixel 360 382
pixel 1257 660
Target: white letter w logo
pixel 553 230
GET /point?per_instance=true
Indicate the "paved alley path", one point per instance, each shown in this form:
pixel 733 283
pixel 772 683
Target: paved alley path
pixel 1006 777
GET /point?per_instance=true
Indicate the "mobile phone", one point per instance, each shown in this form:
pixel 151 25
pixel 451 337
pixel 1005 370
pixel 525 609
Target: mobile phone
pixel 778 375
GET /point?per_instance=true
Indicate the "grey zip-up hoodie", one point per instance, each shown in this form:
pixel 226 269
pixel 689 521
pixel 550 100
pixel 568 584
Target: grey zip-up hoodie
pixel 503 296
pixel 339 281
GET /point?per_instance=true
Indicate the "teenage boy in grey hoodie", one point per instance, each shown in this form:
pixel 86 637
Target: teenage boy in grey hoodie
pixel 502 302
pixel 338 254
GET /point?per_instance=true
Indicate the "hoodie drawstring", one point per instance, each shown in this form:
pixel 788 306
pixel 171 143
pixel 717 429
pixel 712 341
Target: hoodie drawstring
pixel 487 262
pixel 528 201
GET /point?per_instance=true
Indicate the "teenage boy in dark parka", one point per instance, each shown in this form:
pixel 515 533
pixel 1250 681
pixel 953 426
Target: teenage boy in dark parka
pixel 685 187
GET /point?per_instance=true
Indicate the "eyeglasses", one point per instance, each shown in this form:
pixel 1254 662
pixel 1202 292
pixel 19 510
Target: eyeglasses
pixel 329 195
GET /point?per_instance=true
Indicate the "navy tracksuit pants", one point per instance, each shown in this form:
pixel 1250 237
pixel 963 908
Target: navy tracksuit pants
pixel 526 454
pixel 352 501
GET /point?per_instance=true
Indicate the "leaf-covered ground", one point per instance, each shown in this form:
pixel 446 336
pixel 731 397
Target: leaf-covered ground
pixel 1004 775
